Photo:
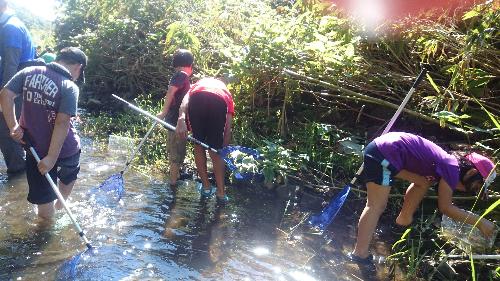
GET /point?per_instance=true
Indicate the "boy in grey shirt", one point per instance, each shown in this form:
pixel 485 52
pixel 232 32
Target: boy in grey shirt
pixel 50 99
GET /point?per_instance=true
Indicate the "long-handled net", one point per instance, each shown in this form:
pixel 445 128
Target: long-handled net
pixel 225 153
pixel 326 216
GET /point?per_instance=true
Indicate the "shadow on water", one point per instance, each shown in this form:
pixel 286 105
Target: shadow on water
pixel 159 233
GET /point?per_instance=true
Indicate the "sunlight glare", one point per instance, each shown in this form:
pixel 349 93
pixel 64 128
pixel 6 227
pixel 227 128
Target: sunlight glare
pixel 45 9
pixel 261 251
pixel 369 13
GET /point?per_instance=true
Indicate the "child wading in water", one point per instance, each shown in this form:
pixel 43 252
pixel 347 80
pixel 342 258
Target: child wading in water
pixel 46 118
pixel 420 162
pixel 209 109
pixel 178 87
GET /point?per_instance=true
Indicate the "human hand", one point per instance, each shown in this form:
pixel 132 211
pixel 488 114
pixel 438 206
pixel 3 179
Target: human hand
pixel 77 119
pixel 486 227
pixel 46 164
pixel 17 133
pixel 161 115
pixel 181 128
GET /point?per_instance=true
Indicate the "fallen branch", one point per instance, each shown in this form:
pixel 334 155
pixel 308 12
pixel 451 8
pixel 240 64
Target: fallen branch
pixel 327 187
pixel 475 257
pixel 357 96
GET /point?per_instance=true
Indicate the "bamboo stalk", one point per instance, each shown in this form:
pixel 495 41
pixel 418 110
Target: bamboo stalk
pixel 350 94
pixel 311 185
pixel 475 257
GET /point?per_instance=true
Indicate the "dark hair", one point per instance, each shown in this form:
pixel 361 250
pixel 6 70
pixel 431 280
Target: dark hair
pixel 183 57
pixel 464 165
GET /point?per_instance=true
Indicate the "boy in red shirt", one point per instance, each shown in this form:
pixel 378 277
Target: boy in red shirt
pixel 209 109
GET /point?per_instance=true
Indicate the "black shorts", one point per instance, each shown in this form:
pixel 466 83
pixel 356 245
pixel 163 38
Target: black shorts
pixel 40 191
pixel 207 118
pixel 376 168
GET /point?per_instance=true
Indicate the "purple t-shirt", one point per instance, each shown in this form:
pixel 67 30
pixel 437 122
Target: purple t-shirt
pixel 418 155
pixel 46 91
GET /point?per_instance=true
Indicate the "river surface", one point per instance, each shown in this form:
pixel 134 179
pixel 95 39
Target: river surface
pixel 156 233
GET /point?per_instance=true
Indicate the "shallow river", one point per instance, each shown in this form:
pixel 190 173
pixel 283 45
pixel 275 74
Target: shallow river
pixel 155 233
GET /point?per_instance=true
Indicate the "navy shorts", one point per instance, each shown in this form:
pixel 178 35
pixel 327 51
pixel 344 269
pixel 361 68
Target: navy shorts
pixel 207 118
pixel 40 191
pixel 376 168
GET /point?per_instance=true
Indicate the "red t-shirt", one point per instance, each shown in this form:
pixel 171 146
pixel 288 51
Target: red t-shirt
pixel 214 86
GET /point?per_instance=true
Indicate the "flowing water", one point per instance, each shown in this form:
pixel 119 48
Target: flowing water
pixel 156 233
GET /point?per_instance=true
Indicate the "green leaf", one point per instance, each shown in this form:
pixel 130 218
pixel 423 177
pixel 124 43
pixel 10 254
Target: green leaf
pixel 492 117
pixel 433 83
pixel 402 238
pixel 470 14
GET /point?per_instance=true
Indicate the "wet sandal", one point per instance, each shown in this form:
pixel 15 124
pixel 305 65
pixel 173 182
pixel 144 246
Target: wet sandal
pixel 205 193
pixel 364 261
pixel 222 200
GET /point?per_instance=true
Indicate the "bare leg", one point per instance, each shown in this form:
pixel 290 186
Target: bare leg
pixel 414 195
pixel 219 170
pixel 46 211
pixel 174 173
pixel 375 206
pixel 200 159
pixel 65 190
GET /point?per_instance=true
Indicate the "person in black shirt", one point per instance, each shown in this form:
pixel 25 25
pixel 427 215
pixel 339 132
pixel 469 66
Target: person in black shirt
pixel 178 87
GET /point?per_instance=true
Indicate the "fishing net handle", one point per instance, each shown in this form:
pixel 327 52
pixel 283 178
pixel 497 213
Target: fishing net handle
pixel 138 148
pixel 419 79
pixel 167 125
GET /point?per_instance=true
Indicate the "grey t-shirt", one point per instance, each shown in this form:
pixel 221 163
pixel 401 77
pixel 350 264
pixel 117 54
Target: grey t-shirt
pixel 46 91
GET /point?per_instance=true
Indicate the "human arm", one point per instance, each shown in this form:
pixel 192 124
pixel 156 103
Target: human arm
pixel 446 207
pixel 169 96
pixel 181 128
pixel 59 134
pixel 66 110
pixel 227 129
pixel 10 60
pixel 7 104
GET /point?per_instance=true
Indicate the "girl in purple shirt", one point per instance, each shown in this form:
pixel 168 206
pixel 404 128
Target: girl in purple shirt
pixel 421 162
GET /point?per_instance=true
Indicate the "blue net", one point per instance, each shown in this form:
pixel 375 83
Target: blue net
pixel 69 268
pixel 323 219
pixel 234 163
pixel 106 262
pixel 109 192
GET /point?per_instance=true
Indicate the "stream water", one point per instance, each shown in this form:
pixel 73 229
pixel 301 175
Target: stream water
pixel 156 233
